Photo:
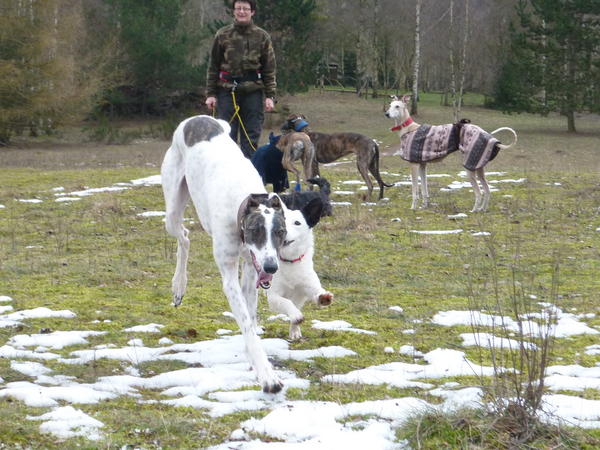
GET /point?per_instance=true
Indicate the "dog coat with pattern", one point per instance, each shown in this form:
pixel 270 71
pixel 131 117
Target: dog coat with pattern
pixel 431 142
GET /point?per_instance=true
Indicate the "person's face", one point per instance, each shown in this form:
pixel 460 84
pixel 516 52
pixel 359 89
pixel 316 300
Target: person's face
pixel 242 12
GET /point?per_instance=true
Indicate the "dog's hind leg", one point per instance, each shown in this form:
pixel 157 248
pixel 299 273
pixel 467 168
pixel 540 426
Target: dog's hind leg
pixel 485 187
pixel 362 162
pixel 308 157
pixel 478 197
pixel 374 169
pixel 227 259
pixel 176 195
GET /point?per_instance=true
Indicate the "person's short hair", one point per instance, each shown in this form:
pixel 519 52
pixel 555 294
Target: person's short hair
pixel 251 2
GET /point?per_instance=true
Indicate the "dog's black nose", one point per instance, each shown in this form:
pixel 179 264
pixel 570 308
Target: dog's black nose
pixel 270 265
pixel 387 114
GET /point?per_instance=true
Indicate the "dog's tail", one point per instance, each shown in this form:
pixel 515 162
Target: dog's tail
pixel 374 167
pixel 503 146
pixel 323 184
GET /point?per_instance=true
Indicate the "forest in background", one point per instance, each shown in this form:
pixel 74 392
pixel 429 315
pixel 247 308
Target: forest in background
pixel 65 61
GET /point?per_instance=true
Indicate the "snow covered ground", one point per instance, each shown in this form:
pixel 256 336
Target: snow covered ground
pixel 219 380
pixel 224 384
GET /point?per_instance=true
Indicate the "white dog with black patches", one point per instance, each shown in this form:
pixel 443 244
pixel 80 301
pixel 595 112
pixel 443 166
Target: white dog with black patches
pixel 296 281
pixel 204 164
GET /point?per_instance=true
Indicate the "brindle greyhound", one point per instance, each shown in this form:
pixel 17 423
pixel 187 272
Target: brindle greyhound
pixel 330 147
pixel 297 146
pixel 204 164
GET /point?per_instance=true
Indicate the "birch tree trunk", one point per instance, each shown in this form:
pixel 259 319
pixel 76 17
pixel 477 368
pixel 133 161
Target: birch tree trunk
pixel 463 64
pixel 451 57
pixel 415 87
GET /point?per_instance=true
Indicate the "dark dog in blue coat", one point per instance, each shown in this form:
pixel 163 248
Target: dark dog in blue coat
pixel 267 161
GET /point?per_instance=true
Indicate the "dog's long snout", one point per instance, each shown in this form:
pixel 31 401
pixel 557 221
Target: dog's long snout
pixel 270 265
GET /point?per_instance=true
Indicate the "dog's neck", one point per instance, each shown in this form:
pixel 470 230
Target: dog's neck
pixel 295 260
pixel 298 251
pixel 405 126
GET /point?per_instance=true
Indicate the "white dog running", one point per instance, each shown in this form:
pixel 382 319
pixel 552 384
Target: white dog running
pixel 420 144
pixel 296 281
pixel 205 164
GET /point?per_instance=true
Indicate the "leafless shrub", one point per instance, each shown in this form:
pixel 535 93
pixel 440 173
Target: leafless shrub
pixel 518 341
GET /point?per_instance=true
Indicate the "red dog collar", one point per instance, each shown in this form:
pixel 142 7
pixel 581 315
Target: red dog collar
pixel 299 258
pixel 402 125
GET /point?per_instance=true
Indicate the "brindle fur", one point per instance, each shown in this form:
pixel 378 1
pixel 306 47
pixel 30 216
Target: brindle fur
pixel 330 147
pixel 298 146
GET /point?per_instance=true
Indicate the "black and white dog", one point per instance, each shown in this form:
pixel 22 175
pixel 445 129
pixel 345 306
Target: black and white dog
pixel 204 164
pixel 296 281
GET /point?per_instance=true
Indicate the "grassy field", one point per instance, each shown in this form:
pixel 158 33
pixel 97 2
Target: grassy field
pixel 539 242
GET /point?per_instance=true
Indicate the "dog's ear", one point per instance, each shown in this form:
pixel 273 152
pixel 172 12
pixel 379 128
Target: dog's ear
pixel 406 98
pixel 254 200
pixel 312 211
pixel 394 97
pixel 274 202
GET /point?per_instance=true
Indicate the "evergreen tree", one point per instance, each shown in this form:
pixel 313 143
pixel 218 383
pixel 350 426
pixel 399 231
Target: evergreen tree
pixel 291 24
pixel 554 62
pixel 157 54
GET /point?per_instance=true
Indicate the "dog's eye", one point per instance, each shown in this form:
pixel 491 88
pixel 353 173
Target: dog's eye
pixel 297 223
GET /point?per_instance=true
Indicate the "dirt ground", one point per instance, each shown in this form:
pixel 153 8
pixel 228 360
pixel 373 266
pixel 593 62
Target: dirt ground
pixel 543 143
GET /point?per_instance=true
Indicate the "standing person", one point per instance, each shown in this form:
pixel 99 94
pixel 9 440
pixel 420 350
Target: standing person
pixel 242 70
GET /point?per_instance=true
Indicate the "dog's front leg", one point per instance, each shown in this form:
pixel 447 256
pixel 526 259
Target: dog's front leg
pixel 282 305
pixel 249 289
pixel 256 354
pixel 414 176
pixel 424 186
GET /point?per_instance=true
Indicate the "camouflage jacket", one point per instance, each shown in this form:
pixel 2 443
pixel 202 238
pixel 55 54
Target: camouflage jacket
pixel 239 50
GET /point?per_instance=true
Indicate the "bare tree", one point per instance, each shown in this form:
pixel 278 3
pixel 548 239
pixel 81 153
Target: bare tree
pixel 463 69
pixel 50 71
pixel 417 60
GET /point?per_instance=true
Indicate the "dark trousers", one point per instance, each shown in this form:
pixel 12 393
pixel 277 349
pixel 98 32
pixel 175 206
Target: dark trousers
pixel 251 114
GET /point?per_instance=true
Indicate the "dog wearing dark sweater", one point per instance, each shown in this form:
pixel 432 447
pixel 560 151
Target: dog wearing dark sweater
pixel 268 163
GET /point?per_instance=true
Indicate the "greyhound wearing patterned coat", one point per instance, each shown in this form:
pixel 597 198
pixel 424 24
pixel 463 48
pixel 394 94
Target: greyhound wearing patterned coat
pixel 420 144
pixel 242 219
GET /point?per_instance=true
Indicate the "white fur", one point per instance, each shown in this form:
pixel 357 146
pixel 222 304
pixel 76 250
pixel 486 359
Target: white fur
pixel 398 111
pixel 218 178
pixel 295 283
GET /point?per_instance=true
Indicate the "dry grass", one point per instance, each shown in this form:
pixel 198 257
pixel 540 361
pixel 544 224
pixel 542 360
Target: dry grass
pixel 99 258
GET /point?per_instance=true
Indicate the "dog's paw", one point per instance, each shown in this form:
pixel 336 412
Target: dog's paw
pixel 295 332
pixel 325 299
pixel 272 387
pixel 177 300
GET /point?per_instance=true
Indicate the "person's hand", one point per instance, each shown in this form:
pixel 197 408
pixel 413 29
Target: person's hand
pixel 269 104
pixel 210 102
